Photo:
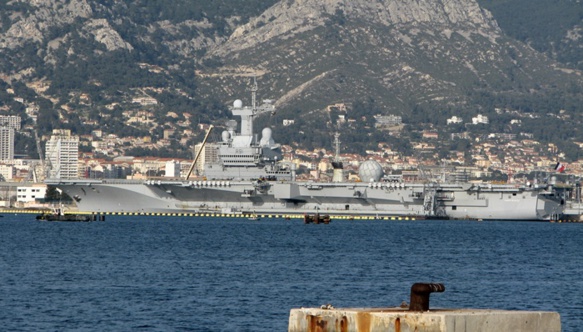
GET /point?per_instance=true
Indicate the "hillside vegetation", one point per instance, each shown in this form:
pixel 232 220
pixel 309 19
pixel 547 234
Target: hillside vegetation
pixel 552 27
pixel 81 65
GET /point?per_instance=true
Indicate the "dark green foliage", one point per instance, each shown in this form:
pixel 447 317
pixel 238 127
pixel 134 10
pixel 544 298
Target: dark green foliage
pixel 113 71
pixel 333 26
pixel 496 176
pixel 213 62
pixel 364 111
pixel 48 119
pixel 146 11
pixel 172 152
pixel 25 145
pixel 5 21
pixel 543 24
pixel 17 6
pixel 52 195
pixel 572 151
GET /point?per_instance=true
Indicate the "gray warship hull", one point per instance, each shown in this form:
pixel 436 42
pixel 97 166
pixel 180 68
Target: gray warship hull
pixel 455 201
pixel 246 175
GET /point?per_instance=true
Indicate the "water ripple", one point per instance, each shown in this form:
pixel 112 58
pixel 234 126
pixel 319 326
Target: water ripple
pixel 189 274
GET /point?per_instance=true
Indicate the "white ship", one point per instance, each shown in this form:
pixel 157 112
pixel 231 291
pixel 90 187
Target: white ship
pixel 249 176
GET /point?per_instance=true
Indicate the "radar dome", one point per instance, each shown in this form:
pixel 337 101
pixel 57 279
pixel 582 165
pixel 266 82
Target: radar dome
pixel 370 171
pixel 238 103
pixel 266 133
pixel 266 139
pixel 225 135
pixel 231 124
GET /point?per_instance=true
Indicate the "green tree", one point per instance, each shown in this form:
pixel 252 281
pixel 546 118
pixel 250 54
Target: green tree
pixel 52 195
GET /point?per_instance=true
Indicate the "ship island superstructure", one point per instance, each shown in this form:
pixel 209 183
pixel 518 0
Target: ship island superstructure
pixel 249 176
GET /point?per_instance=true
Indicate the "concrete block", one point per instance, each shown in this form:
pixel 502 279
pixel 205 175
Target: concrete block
pixel 434 320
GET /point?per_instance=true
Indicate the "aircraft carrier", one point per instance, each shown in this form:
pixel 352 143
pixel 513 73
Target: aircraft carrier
pixel 249 176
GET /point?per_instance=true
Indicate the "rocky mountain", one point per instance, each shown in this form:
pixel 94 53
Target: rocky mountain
pixel 81 63
pixel 400 53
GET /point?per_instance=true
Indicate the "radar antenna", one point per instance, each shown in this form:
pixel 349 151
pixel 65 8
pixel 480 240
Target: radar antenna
pixel 248 113
pixel 338 173
pixel 337 146
pixel 254 90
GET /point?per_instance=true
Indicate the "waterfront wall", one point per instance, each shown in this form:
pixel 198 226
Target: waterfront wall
pixel 402 320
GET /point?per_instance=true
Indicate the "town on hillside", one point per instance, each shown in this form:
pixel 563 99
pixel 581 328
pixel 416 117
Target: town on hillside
pixel 499 157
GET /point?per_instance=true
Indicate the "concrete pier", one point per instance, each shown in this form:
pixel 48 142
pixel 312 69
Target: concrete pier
pixel 438 320
pixel 418 317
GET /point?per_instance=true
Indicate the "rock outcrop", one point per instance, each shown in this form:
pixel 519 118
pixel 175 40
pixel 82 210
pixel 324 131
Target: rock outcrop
pixel 429 54
pixel 291 17
pixel 105 34
pixel 34 25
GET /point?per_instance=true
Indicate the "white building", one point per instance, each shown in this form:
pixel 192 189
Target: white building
pixel 454 120
pixel 6 143
pixel 209 154
pixel 30 193
pixel 11 121
pixel 480 119
pixel 145 101
pixel 172 169
pixel 62 154
pixel 388 120
pixel 7 172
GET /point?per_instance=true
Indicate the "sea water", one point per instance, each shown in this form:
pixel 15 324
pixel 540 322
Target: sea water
pixel 214 274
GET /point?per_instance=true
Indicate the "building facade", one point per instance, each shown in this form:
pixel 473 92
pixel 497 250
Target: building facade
pixel 7 172
pixel 27 194
pixel 62 154
pixel 172 169
pixel 6 143
pixel 11 121
pixel 209 154
pixel 388 120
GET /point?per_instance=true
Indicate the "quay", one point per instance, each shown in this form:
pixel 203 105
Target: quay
pixel 213 215
pixel 440 320
pixel 418 317
pixel 247 215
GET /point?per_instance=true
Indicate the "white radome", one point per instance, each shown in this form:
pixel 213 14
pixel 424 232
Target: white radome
pixel 238 103
pixel 370 171
pixel 225 135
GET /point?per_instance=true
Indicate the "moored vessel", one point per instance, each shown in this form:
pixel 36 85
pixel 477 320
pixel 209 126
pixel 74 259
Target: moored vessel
pixel 52 216
pixel 248 175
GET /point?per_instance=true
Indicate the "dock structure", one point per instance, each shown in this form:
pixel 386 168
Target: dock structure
pixel 214 214
pixel 247 214
pixel 418 317
pixel 439 320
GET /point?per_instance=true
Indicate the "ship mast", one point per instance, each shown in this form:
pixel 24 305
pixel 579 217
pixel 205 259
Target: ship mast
pixel 337 147
pixel 254 89
pixel 338 175
pixel 248 113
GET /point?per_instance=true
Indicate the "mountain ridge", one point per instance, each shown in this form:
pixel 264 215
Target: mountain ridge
pixel 292 17
pixel 261 36
pixel 424 61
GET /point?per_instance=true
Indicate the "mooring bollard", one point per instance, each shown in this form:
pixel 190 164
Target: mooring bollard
pixel 420 295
